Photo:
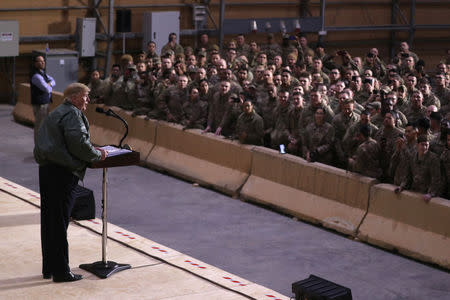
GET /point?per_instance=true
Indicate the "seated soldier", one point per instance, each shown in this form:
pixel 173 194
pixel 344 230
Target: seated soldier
pixel 250 126
pixel 366 160
pixel 424 172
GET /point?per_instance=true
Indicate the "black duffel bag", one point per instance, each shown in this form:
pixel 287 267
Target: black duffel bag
pixel 84 207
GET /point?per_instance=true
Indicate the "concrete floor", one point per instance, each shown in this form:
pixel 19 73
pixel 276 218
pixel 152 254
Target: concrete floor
pixel 156 272
pixel 260 245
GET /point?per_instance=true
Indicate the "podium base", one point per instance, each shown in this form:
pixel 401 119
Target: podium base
pixel 104 270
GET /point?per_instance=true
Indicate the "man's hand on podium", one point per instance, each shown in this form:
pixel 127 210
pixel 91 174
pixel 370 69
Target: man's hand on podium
pixel 103 151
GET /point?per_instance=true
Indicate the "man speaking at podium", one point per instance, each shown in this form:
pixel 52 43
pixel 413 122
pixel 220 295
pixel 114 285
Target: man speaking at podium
pixel 63 151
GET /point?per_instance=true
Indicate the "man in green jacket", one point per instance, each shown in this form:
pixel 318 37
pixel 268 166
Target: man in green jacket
pixel 63 151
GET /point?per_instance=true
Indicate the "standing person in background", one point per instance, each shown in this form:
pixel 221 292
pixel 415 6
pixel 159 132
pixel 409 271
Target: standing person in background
pixel 63 151
pixel 172 45
pixel 41 85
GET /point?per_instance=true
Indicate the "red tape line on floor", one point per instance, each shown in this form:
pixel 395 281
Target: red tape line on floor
pixel 10 185
pixel 160 250
pixel 235 281
pixel 34 196
pixel 125 235
pixel 195 265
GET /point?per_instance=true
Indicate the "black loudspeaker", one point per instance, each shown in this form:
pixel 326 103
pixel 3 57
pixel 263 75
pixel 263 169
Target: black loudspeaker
pixel 316 288
pixel 84 207
pixel 123 20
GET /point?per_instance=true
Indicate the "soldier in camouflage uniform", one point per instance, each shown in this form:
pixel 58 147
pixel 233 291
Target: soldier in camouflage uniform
pixel 405 149
pixel 441 91
pixel 296 125
pixel 195 111
pixel 217 109
pixel 266 109
pixel 366 160
pixel 318 139
pixel 97 88
pixel 341 122
pixel 280 132
pixel 113 85
pixel 386 138
pixel 316 102
pixel 424 172
pixel 439 142
pixel 171 101
pixel 250 126
pixel 428 96
pixel 143 95
pixel 350 139
pixel 416 110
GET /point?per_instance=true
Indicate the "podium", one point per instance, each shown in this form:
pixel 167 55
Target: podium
pixel 103 269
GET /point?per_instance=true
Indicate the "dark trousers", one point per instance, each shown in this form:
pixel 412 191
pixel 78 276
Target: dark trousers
pixel 56 185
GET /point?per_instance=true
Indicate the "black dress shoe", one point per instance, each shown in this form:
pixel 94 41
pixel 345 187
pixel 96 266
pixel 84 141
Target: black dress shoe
pixel 47 275
pixel 67 277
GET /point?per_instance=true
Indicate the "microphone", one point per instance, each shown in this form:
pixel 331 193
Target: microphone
pixel 111 113
pixel 102 111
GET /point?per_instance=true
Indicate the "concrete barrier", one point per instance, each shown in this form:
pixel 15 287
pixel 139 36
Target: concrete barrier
pixel 406 223
pixel 312 191
pixel 203 158
pixel 23 111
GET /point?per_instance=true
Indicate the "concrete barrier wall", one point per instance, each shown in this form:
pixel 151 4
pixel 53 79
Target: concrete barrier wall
pixel 203 158
pixel 23 111
pixel 405 222
pixel 314 192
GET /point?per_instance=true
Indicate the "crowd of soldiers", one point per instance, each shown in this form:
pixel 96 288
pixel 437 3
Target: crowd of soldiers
pixel 384 119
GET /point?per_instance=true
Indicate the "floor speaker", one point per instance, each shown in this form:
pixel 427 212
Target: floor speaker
pixel 316 288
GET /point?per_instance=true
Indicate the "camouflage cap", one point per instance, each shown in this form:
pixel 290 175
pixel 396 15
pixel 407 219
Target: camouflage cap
pixel 374 105
pixel 169 52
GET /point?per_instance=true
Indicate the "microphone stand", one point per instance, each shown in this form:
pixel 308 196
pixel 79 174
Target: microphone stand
pixel 110 112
